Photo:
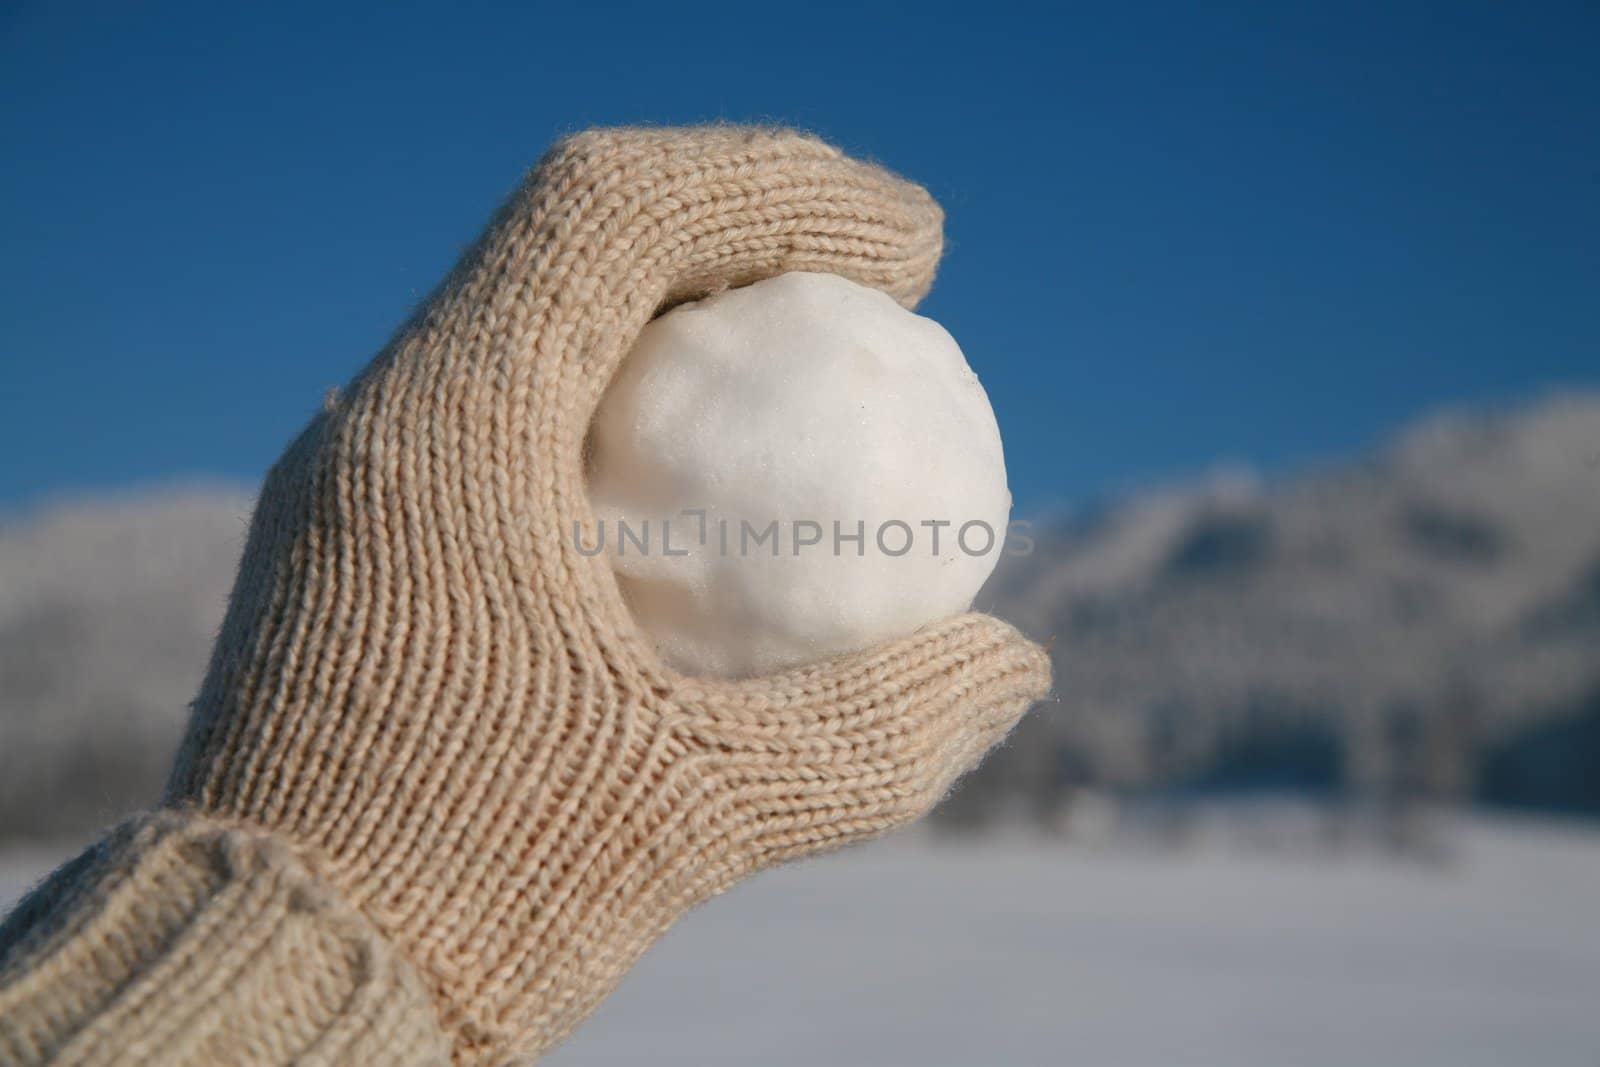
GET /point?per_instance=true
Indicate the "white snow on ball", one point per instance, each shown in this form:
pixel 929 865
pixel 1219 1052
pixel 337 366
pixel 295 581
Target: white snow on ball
pixel 802 399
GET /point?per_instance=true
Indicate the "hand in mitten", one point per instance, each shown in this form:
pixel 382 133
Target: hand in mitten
pixel 429 724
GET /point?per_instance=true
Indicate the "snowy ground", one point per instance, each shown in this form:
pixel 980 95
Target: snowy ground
pixel 1013 952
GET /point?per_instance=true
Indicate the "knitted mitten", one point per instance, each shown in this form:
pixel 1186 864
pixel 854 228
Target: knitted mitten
pixel 427 702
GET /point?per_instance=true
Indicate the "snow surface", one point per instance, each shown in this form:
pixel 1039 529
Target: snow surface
pixel 1016 952
pixel 810 406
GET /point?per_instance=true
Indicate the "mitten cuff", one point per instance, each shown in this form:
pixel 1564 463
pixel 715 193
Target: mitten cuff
pixel 179 941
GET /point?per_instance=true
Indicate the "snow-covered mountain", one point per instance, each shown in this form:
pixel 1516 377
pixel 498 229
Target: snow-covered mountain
pixel 108 608
pixel 1422 623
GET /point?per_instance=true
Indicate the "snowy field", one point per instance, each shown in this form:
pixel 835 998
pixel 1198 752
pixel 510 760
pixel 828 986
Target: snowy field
pixel 1013 952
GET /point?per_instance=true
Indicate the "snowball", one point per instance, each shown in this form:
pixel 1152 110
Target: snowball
pixel 748 440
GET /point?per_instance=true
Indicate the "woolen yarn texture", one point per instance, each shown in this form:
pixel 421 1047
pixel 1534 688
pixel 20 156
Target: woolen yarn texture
pixel 432 752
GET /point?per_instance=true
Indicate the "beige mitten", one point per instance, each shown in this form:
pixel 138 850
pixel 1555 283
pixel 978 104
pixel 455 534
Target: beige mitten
pixel 429 727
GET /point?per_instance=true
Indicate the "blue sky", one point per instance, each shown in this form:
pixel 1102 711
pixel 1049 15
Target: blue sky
pixel 1176 235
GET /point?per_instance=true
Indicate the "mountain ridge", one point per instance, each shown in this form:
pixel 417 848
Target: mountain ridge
pixel 1377 628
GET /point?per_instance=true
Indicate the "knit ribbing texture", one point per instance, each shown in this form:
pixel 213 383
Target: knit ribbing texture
pixel 180 942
